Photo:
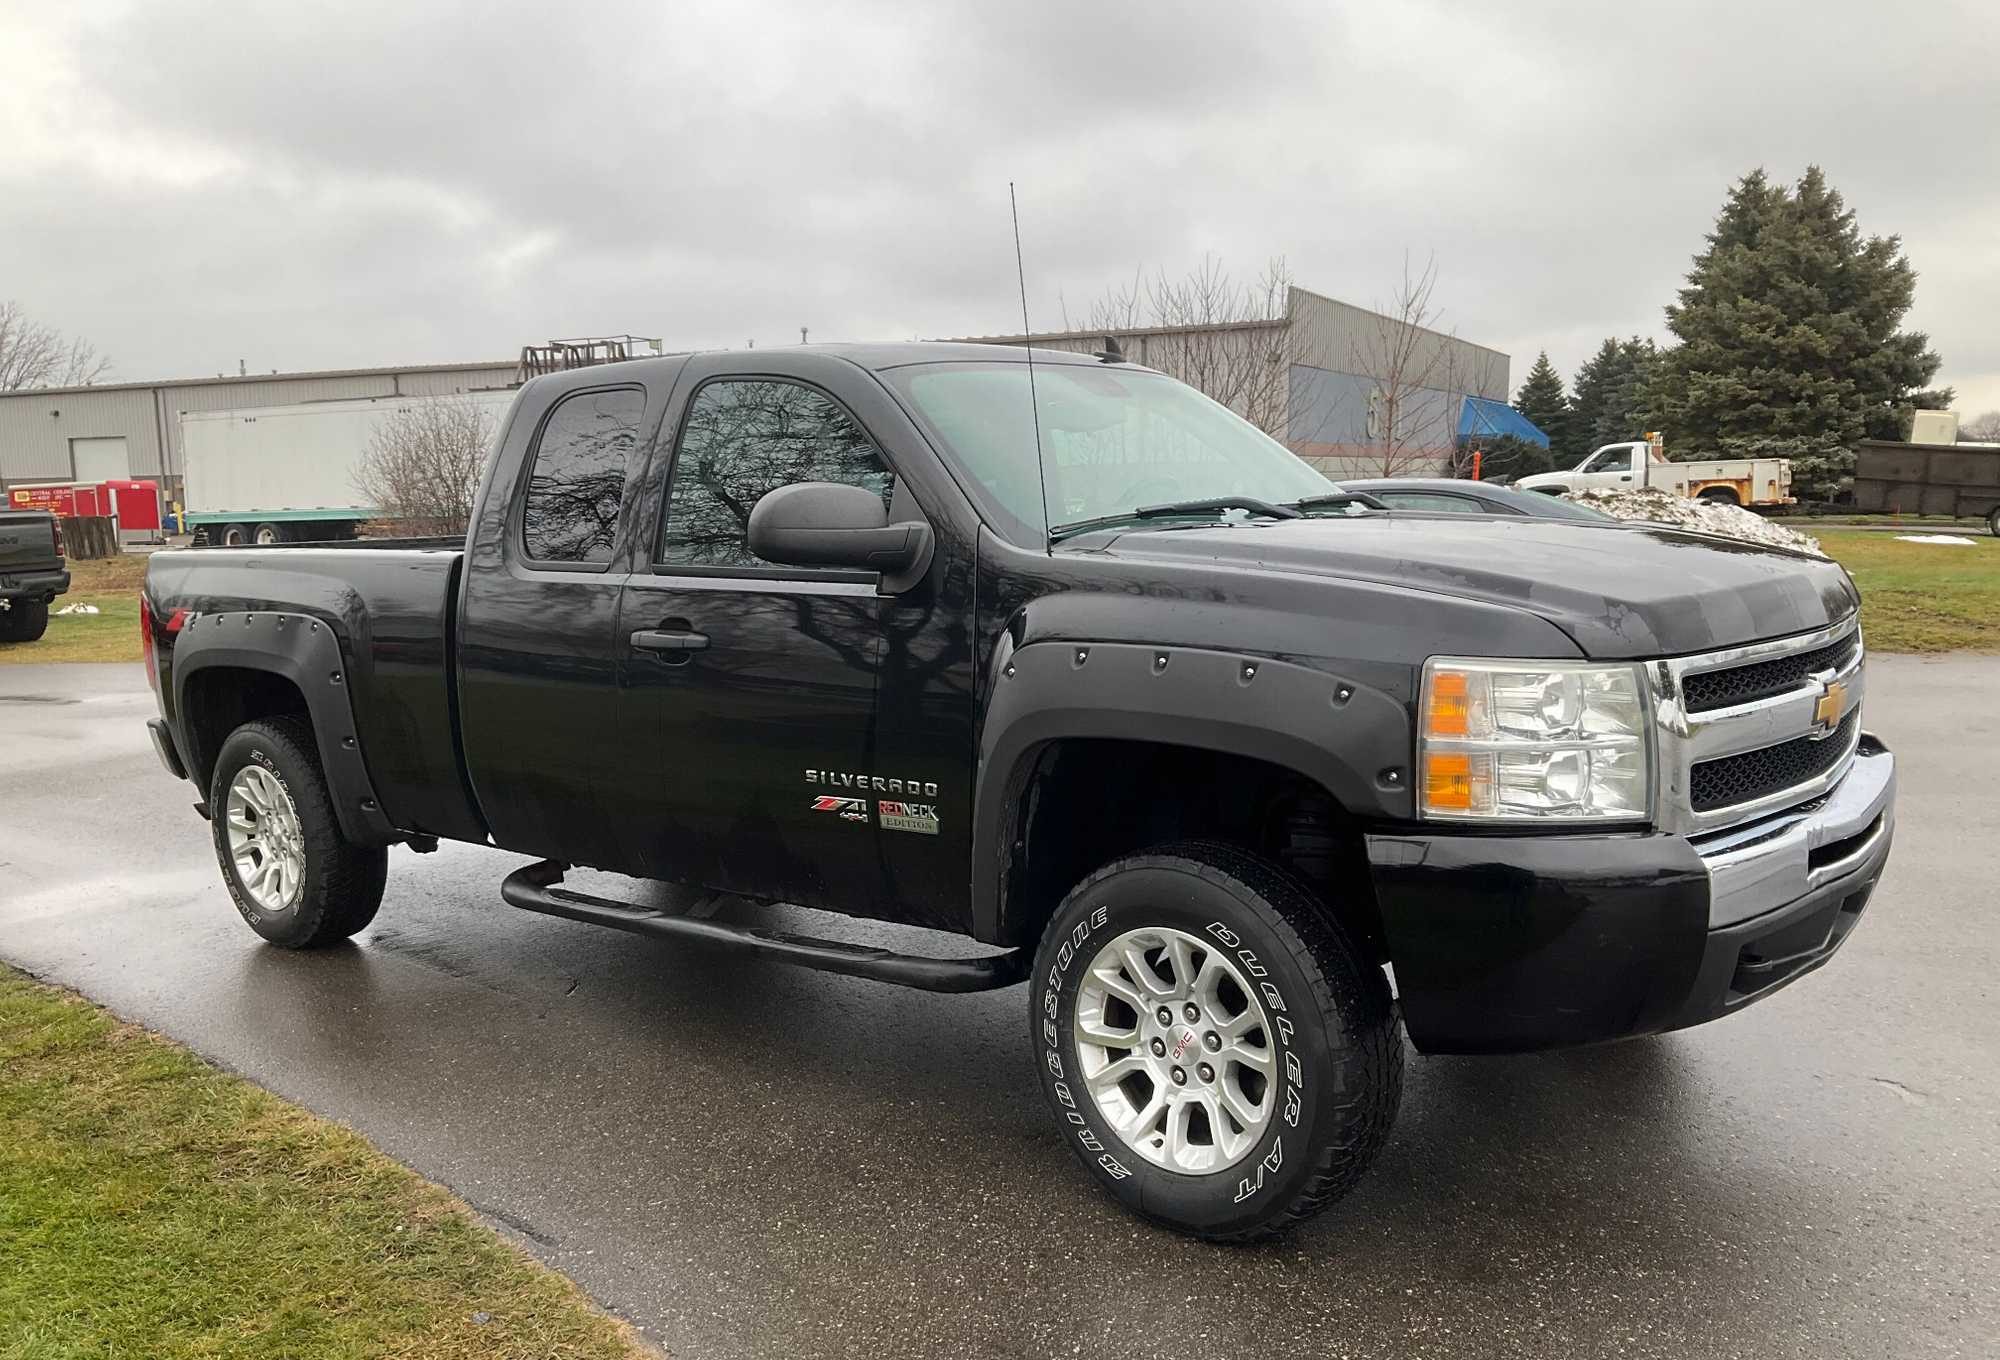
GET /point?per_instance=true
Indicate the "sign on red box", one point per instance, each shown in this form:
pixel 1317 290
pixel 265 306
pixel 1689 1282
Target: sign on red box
pixel 60 500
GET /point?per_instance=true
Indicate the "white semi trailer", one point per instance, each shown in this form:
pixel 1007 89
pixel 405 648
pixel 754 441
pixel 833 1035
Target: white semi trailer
pixel 278 474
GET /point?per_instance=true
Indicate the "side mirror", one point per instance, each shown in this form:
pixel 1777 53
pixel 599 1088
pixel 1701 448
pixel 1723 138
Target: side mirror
pixel 825 524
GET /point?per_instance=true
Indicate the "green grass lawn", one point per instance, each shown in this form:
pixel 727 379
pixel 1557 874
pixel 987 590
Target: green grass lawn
pixel 111 634
pixel 153 1206
pixel 1918 598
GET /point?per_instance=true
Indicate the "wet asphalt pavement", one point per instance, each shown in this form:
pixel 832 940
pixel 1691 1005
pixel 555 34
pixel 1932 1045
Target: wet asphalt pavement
pixel 750 1160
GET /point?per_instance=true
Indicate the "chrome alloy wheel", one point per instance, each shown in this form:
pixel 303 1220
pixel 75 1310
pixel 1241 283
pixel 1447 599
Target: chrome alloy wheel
pixel 265 839
pixel 1176 1050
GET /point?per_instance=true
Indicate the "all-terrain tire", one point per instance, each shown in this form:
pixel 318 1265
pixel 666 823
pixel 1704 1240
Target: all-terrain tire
pixel 24 620
pixel 343 882
pixel 1335 1037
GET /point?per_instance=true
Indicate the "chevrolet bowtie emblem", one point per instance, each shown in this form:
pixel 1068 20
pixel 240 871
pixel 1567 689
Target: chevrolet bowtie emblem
pixel 1831 708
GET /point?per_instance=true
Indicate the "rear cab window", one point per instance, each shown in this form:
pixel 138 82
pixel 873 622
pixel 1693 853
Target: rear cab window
pixel 577 478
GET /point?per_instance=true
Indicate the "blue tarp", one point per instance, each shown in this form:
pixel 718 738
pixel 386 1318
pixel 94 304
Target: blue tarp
pixel 1480 416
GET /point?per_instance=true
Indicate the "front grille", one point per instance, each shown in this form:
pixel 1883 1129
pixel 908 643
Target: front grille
pixel 1730 780
pixel 1763 679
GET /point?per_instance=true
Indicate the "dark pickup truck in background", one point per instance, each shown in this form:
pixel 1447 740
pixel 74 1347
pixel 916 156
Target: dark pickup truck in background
pixel 32 572
pixel 1069 659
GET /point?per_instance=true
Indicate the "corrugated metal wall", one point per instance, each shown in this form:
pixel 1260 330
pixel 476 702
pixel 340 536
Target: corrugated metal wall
pixel 36 427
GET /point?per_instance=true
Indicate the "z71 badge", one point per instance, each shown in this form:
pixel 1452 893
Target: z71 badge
pixel 921 818
pixel 848 809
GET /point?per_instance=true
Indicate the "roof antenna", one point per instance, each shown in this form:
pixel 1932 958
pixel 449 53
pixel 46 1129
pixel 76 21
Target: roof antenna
pixel 1034 406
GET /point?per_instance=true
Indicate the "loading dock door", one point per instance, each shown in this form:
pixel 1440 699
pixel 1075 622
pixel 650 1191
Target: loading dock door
pixel 100 460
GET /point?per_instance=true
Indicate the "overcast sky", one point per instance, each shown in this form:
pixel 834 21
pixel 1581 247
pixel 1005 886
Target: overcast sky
pixel 306 186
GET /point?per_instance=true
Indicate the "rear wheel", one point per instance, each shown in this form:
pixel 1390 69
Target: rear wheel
pixel 268 534
pixel 235 535
pixel 1993 522
pixel 24 620
pixel 1216 1049
pixel 292 874
pixel 1719 495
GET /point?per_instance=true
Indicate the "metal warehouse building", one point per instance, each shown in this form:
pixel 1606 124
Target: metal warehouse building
pixel 1352 391
pixel 117 430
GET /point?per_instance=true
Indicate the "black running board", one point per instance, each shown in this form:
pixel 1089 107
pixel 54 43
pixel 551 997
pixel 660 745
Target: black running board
pixel 533 888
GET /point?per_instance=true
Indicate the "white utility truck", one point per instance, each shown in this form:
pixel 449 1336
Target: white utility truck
pixel 1643 462
pixel 282 474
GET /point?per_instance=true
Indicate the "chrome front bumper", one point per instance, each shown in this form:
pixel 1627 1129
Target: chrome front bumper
pixel 1764 865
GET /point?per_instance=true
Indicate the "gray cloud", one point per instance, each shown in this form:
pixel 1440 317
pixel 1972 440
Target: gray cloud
pixel 308 186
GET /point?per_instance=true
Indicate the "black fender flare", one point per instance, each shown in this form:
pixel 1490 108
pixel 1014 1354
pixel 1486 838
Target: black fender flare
pixel 1351 739
pixel 305 651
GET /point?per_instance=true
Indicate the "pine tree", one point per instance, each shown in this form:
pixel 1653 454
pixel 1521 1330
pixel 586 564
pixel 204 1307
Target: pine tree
pixel 1789 339
pixel 1541 399
pixel 1613 389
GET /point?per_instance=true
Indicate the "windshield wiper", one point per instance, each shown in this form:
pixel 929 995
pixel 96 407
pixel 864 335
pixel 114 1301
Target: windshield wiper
pixel 1214 506
pixel 1334 498
pixel 1250 503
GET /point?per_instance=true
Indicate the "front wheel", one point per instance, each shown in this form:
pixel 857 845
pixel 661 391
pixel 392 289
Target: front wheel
pixel 1216 1049
pixel 294 877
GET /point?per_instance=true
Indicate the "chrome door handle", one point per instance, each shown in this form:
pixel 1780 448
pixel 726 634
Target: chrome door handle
pixel 669 640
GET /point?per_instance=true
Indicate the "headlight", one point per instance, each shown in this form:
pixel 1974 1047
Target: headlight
pixel 1507 740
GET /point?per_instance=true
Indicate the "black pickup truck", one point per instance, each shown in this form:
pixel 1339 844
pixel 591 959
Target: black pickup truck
pixel 32 572
pixel 1240 774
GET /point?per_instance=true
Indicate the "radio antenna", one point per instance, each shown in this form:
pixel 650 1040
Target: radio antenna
pixel 1028 342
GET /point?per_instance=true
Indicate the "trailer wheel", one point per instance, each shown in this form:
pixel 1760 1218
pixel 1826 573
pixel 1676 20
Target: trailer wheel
pixel 1215 1048
pixel 233 535
pixel 294 877
pixel 24 620
pixel 267 534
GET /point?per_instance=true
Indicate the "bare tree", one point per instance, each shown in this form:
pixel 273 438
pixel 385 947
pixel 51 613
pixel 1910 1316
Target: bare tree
pixel 1983 428
pixel 422 465
pixel 1414 377
pixel 1235 342
pixel 35 355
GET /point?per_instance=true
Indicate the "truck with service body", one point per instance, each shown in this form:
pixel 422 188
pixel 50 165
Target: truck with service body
pixel 1643 463
pixel 32 572
pixel 1052 651
pixel 284 474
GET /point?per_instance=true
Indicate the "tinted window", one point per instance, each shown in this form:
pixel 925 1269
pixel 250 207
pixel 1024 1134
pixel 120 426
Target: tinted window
pixel 578 479
pixel 744 438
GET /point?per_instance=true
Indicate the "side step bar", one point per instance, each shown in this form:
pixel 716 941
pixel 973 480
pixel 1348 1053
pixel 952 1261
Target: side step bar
pixel 534 888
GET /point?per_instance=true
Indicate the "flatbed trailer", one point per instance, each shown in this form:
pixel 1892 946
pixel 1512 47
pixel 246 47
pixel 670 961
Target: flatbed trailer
pixel 1962 480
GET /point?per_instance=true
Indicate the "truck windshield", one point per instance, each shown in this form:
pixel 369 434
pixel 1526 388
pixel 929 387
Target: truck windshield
pixel 1113 440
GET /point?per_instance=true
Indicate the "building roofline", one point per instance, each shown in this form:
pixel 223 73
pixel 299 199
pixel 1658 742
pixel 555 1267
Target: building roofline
pixel 1427 330
pixel 303 376
pixel 1136 332
pixel 1095 332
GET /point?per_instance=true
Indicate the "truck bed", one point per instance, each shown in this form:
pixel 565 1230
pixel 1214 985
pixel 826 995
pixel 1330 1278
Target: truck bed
pixel 393 610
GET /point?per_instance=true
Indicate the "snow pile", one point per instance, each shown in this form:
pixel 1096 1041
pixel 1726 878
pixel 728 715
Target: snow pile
pixel 1702 517
pixel 1949 540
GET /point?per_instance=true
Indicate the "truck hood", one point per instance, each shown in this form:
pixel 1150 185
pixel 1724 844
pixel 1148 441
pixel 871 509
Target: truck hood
pixel 1533 480
pixel 1619 590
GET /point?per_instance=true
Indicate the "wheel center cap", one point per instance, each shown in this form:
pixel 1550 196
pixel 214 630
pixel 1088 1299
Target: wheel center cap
pixel 1181 1045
